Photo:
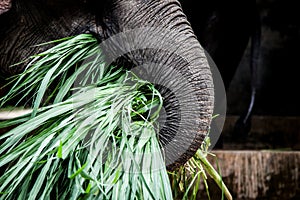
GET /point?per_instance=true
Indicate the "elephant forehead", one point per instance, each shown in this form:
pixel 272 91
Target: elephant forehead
pixel 5 5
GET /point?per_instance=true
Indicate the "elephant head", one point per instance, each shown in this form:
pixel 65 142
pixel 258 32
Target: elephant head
pixel 154 34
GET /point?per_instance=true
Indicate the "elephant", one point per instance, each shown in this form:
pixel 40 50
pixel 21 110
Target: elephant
pixel 25 24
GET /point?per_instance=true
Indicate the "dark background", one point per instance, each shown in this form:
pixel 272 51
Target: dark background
pixel 222 27
pixel 278 70
pixel 275 123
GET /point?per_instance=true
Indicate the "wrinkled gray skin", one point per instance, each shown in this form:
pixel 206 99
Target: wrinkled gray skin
pixel 32 22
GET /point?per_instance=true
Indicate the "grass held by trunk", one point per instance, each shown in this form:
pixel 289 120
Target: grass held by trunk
pixel 92 136
pixel 95 141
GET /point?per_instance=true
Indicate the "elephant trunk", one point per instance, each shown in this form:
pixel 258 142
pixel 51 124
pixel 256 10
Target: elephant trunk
pixel 155 36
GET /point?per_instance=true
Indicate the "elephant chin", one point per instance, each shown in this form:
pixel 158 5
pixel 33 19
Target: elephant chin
pixel 156 38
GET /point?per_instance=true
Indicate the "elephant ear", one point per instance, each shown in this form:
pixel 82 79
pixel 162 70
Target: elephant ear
pixel 5 5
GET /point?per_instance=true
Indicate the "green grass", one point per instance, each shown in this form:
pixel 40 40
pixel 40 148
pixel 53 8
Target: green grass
pixel 97 140
pixel 108 162
pixel 186 180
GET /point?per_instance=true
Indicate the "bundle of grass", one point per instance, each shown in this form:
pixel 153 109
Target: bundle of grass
pixel 186 180
pixel 97 140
